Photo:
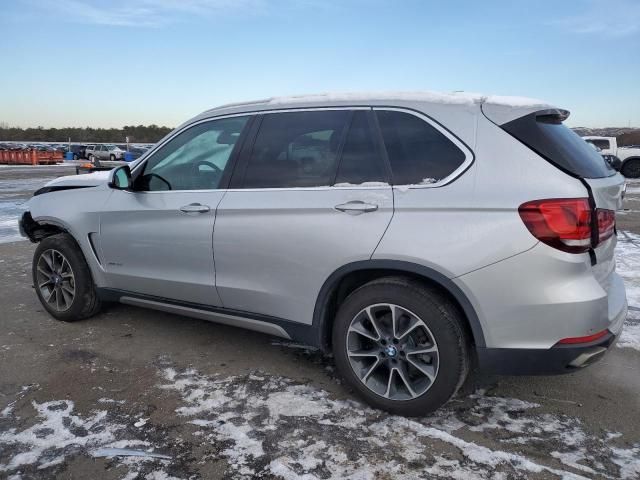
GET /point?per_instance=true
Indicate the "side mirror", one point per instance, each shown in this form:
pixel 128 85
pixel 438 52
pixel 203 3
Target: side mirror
pixel 120 178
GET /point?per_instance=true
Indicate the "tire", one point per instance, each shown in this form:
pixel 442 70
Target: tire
pixel 442 327
pixel 75 296
pixel 631 168
pixel 75 157
pixel 92 159
pixel 112 158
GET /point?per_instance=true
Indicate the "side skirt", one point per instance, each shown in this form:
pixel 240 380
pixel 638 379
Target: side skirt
pixel 235 318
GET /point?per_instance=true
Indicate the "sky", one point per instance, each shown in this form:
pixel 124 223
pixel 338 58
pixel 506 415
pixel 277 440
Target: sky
pixel 112 63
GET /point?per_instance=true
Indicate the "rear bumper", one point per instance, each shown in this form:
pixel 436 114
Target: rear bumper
pixel 555 360
pixel 560 358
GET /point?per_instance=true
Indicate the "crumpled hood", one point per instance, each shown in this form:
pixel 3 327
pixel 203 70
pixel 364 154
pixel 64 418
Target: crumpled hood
pixel 85 180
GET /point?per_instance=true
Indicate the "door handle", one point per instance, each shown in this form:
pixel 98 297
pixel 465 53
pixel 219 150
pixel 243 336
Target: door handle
pixel 195 208
pixel 356 207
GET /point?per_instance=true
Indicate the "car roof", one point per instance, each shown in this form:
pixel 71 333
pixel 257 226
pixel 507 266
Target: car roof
pixel 503 108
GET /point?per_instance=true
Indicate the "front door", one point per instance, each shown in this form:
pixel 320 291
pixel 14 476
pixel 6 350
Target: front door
pixel 311 199
pixel 157 239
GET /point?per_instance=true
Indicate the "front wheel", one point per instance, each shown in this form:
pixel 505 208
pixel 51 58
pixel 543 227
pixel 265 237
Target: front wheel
pixel 62 279
pixel 631 168
pixel 401 346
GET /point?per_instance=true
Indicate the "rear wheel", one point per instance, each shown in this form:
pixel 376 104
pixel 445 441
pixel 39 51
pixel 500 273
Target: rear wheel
pixel 62 279
pixel 401 346
pixel 631 168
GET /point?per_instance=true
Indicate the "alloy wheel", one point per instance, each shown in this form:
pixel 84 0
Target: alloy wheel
pixel 55 280
pixel 392 352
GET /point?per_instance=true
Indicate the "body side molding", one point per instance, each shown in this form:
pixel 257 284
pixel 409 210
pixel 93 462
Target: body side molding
pixel 250 321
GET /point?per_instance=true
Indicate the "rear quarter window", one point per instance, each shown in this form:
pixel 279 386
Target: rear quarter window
pixel 418 153
pixel 545 134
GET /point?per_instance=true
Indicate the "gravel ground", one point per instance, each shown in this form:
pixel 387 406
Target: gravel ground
pixel 185 398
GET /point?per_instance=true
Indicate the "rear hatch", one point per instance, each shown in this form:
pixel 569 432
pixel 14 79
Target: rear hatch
pixel 543 132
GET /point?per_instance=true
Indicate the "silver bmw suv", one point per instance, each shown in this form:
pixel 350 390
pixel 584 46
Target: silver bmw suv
pixel 414 235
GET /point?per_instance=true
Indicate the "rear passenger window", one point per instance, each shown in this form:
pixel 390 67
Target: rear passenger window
pixel 296 149
pixel 418 153
pixel 360 160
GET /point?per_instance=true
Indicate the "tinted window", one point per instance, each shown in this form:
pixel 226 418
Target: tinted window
pixel 296 149
pixel 418 153
pixel 194 159
pixel 546 135
pixel 360 161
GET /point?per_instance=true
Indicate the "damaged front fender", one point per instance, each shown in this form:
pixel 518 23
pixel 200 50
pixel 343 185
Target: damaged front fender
pixel 35 231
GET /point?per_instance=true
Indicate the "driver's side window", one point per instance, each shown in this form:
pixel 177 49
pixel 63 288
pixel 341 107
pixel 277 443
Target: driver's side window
pixel 194 159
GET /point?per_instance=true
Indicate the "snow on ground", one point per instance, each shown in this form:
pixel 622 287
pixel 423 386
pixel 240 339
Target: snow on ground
pixel 628 266
pixel 273 426
pixel 630 337
pixel 58 434
pixel 14 193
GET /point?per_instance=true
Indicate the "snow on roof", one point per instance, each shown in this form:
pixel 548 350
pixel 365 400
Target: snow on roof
pixel 452 98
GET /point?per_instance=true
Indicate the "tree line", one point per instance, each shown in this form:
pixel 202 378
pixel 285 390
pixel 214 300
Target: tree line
pixel 136 134
pixel 148 134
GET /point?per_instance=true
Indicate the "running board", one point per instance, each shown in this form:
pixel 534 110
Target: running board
pixel 216 317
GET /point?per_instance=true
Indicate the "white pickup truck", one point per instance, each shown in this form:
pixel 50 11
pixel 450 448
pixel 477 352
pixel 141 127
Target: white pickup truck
pixel 629 156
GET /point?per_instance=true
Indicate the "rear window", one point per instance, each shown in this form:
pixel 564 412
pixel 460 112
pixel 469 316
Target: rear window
pixel 546 135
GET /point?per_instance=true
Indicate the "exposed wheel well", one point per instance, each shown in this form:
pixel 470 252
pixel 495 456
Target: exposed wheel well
pixel 37 231
pixel 341 287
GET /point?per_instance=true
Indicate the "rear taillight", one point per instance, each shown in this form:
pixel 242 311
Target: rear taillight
pixel 565 223
pixel 606 224
pixel 562 223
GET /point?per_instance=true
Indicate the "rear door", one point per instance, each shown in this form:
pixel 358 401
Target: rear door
pixel 310 195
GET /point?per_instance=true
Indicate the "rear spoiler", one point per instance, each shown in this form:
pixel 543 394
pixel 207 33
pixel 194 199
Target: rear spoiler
pixel 501 110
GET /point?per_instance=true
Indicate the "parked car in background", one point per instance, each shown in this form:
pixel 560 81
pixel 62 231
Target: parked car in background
pixel 40 147
pixel 629 156
pixel 388 229
pixel 137 152
pixel 612 160
pixel 77 150
pixel 88 152
pixel 108 152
